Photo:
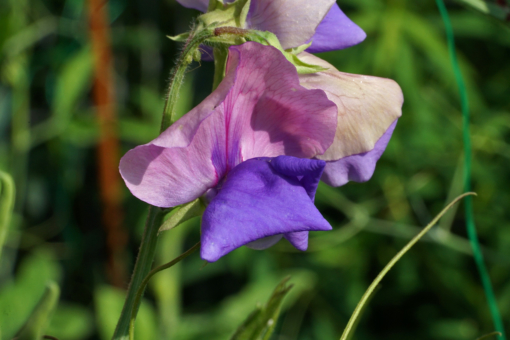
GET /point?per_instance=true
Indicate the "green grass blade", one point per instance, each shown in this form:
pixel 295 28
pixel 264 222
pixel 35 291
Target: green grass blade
pixel 364 299
pixel 470 220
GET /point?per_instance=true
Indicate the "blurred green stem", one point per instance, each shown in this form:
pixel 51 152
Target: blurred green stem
pixel 17 75
pixel 220 63
pixel 41 316
pixel 470 220
pixel 7 196
pixel 142 268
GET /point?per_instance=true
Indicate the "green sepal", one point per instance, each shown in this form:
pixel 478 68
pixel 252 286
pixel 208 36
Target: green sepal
pixel 270 39
pixel 232 14
pixel 39 320
pixel 182 214
pixel 299 49
pixel 261 322
pixel 179 37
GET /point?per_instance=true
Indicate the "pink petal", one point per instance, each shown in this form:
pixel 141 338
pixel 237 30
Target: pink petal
pixel 367 106
pixel 259 109
pixel 268 113
pixel 293 21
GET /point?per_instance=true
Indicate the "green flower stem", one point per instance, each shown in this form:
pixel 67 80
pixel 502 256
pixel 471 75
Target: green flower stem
pixel 145 281
pixel 470 220
pixel 142 268
pixel 179 71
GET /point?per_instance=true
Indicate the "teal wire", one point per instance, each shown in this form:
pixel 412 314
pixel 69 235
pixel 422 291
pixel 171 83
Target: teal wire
pixel 471 229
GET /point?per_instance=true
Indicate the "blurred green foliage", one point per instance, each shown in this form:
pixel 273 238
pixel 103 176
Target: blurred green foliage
pixel 48 135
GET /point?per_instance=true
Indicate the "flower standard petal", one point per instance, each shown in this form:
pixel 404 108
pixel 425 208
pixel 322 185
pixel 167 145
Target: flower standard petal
pixel 259 109
pixel 257 201
pixel 367 106
pixel 335 32
pixel 270 113
pixel 293 21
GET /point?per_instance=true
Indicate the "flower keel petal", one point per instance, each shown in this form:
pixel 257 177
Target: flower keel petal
pixel 357 168
pixel 255 202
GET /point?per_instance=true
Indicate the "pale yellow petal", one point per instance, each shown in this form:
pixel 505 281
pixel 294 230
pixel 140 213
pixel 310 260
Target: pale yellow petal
pixel 366 106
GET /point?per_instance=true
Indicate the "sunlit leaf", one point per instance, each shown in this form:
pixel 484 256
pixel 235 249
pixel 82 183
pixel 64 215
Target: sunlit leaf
pixel 182 214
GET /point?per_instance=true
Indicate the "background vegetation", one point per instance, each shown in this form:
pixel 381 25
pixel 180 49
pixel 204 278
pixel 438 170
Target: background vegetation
pixel 49 137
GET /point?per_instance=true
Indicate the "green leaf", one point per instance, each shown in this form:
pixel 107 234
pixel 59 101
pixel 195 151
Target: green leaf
pixel 261 322
pixel 7 193
pixel 182 214
pixel 19 298
pixel 73 83
pixel 71 322
pixel 36 326
pixel 501 12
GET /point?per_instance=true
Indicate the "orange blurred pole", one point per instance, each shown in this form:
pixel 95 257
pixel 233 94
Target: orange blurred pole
pixel 108 146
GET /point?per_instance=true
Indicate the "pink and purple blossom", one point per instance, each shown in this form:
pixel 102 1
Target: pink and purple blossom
pixel 257 147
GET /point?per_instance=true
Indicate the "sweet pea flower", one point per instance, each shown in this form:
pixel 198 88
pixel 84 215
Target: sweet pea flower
pixel 227 148
pixel 296 22
pixel 256 148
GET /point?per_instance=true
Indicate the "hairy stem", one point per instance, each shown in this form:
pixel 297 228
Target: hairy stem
pixel 177 75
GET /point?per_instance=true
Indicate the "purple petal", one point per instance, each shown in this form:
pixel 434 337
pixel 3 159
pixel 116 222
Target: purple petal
pixel 257 201
pixel 293 21
pixel 366 107
pixel 298 239
pixel 357 168
pixel 259 109
pixel 336 32
pixel 265 242
pixel 201 5
pixel 308 170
